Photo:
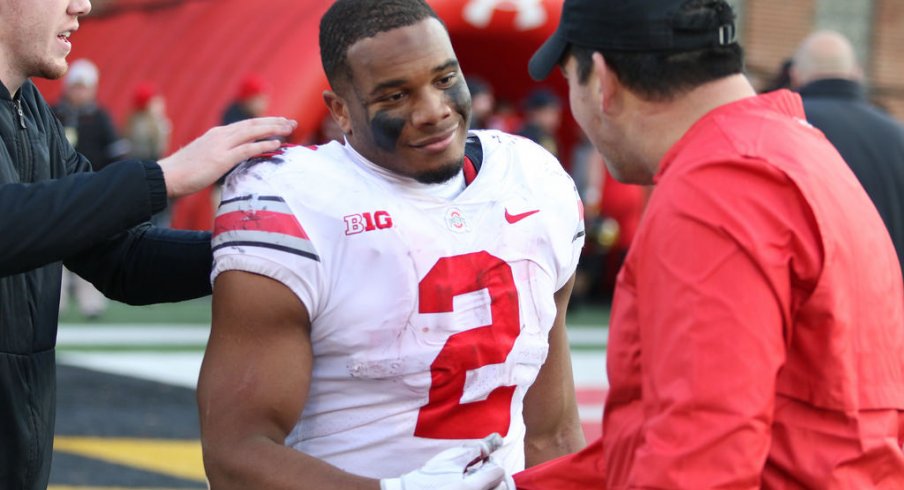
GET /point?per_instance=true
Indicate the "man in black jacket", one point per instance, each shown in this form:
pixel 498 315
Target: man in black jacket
pixel 55 210
pixel 828 77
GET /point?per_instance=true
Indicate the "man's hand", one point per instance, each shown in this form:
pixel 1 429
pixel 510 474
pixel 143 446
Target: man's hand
pixel 207 158
pixel 467 467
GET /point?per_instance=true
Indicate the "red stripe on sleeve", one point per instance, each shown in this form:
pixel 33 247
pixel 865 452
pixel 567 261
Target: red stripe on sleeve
pixel 268 221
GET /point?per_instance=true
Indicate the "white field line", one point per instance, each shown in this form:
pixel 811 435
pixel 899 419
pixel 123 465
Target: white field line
pixel 182 368
pixel 590 413
pixel 131 334
pixel 194 334
pixel 587 336
pixel 173 368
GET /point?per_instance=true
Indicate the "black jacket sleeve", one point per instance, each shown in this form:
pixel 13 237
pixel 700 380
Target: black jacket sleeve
pixel 147 265
pixel 92 221
pixel 47 221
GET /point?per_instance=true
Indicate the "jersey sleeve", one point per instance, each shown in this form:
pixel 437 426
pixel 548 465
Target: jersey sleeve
pixel 563 200
pixel 575 214
pixel 256 230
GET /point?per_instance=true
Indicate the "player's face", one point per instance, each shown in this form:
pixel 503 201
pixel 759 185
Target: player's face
pixel 34 36
pixel 407 106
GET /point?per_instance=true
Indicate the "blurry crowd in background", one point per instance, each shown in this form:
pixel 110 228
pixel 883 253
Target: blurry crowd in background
pixel 612 210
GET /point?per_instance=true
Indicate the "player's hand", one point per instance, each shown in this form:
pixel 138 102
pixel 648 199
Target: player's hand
pixel 467 467
pixel 207 158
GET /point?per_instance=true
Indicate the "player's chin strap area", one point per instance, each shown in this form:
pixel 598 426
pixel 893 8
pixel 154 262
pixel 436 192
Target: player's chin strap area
pixel 467 467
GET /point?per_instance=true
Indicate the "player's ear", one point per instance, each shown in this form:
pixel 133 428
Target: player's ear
pixel 609 85
pixel 339 109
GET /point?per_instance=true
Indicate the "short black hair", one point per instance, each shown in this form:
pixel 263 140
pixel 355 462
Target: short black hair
pixel 661 76
pixel 349 21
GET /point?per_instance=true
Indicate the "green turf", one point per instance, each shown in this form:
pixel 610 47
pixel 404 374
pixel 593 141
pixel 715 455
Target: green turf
pixel 591 315
pixel 156 348
pixel 194 311
pixel 198 311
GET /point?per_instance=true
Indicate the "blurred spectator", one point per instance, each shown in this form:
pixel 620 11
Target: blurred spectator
pixel 89 128
pixel 542 118
pixel 782 79
pixel 612 212
pixel 505 118
pixel 148 131
pixel 252 100
pixel 585 171
pixel 483 102
pixel 829 80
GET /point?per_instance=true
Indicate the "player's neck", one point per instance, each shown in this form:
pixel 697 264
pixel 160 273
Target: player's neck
pixel 445 191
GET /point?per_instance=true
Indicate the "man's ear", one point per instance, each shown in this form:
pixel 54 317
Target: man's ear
pixel 609 86
pixel 339 110
pixel 796 77
pixel 858 74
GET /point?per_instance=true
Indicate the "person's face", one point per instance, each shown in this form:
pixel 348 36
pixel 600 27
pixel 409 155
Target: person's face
pixel 549 118
pixel 34 36
pixel 157 106
pixel 257 105
pixel 482 105
pixel 406 107
pixel 605 131
pixel 80 94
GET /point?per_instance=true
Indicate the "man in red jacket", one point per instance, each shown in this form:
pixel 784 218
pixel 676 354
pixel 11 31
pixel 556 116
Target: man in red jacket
pixel 756 337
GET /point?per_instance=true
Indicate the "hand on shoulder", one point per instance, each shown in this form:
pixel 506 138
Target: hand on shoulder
pixel 206 159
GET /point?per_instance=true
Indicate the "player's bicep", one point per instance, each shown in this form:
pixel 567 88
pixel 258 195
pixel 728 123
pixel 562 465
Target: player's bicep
pixel 257 366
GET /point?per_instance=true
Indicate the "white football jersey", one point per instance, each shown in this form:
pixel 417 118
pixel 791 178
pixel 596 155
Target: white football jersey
pixel 429 315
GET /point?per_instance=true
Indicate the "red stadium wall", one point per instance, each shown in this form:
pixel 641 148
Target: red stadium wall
pixel 197 52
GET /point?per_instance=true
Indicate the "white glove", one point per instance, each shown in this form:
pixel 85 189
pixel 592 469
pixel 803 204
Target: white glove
pixel 466 467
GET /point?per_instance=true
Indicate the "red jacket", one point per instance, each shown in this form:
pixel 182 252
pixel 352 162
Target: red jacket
pixel 757 336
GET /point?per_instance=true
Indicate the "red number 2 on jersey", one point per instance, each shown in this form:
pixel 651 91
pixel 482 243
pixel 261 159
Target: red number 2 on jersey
pixel 444 417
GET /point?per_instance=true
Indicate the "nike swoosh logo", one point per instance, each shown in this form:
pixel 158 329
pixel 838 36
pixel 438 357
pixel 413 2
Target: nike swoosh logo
pixel 514 218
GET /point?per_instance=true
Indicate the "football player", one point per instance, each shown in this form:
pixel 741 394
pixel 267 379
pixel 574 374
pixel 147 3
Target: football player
pixel 397 296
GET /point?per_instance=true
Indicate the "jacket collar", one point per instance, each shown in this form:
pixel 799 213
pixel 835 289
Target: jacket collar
pixel 838 88
pixel 4 92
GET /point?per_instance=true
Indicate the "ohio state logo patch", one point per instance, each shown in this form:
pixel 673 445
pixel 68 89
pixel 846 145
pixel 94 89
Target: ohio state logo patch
pixel 456 221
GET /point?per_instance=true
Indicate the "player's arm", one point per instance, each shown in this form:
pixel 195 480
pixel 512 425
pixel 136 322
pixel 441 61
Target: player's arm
pixel 550 409
pixel 253 386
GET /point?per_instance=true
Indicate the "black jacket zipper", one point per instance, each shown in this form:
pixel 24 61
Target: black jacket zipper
pixel 23 163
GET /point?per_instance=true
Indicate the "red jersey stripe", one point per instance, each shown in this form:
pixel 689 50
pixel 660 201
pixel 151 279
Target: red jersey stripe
pixel 257 220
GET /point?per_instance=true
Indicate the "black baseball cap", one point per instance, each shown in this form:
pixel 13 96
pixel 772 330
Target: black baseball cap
pixel 632 26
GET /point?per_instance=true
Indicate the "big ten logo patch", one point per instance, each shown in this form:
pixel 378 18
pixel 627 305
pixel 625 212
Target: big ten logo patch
pixel 359 223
